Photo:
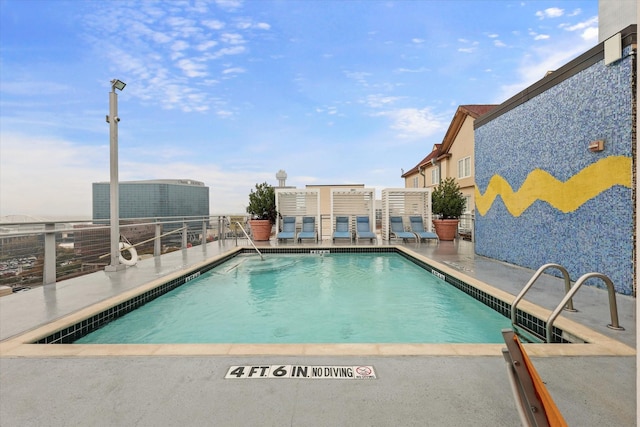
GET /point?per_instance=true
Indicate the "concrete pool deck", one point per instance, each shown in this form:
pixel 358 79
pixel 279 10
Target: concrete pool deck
pixel 184 385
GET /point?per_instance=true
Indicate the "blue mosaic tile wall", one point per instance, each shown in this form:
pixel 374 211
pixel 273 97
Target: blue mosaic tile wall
pixel 552 132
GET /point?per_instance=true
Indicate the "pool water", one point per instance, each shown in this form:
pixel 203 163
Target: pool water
pixel 333 298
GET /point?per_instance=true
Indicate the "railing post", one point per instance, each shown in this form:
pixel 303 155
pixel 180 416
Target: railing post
pixel 157 243
pixel 49 269
pixel 203 241
pixel 473 230
pixel 184 234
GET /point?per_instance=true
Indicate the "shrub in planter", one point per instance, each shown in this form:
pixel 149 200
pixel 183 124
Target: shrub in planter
pixel 262 208
pixel 447 202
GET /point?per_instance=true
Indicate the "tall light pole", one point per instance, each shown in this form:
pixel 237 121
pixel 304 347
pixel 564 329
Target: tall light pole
pixel 113 120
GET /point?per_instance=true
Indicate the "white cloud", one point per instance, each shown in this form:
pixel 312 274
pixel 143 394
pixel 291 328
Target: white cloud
pixel 245 25
pixel 410 70
pixel 499 43
pixel 537 63
pixel 552 12
pixel 236 50
pixel 542 37
pixel 180 45
pixel 470 46
pixel 229 4
pixel 191 68
pixel 224 113
pixel 159 37
pixel 235 70
pixel 213 24
pixel 76 166
pixel 73 166
pixel 206 45
pixel 160 45
pixel 359 76
pixel 379 101
pixel 232 38
pixel 588 28
pixel 33 88
pixel 184 27
pixel 417 41
pixel 590 34
pixel 589 23
pixel 413 123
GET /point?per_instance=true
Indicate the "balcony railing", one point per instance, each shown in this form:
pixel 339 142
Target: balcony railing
pixel 37 253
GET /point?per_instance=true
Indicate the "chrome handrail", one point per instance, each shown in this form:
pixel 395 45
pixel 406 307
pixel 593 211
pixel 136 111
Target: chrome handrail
pixel 250 241
pixel 613 306
pixel 567 287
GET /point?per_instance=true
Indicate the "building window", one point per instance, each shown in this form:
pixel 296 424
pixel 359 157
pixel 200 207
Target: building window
pixel 467 204
pixel 435 175
pixel 464 167
pixel 415 182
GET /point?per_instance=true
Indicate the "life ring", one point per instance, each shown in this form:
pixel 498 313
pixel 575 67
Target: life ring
pixel 132 252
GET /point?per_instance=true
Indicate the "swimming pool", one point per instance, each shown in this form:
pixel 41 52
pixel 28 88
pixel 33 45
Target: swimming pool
pixel 310 298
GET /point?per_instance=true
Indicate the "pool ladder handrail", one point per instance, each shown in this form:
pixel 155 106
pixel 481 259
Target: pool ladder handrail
pixel 613 306
pixel 567 288
pixel 250 241
pixel 567 301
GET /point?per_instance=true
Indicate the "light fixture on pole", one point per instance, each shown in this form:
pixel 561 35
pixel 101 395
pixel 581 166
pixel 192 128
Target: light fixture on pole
pixel 114 198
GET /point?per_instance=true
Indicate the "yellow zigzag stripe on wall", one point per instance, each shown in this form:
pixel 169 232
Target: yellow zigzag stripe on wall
pixel 564 196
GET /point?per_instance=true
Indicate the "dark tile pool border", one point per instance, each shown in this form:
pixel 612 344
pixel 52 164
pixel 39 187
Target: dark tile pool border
pixel 74 332
pixel 526 321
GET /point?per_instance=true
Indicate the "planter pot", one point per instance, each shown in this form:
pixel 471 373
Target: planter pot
pixel 446 229
pixel 261 229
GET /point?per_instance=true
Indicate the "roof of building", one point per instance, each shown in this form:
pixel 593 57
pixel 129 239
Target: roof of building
pixel 162 181
pixel 432 155
pixel 472 110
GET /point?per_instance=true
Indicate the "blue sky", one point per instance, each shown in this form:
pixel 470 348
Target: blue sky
pixel 228 92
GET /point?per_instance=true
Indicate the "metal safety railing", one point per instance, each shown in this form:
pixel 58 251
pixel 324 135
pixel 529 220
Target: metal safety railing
pixel 153 239
pixel 38 253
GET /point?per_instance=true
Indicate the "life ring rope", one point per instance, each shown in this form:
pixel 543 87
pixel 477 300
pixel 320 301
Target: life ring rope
pixel 132 251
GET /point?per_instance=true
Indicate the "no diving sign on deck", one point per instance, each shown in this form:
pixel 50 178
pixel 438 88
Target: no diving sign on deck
pixel 360 372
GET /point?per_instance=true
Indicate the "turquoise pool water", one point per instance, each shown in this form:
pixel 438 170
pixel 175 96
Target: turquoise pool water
pixel 334 298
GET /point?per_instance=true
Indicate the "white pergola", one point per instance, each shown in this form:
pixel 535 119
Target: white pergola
pixel 405 202
pixel 353 202
pixel 298 203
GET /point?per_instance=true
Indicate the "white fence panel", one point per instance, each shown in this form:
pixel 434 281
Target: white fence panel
pixel 298 203
pixel 405 202
pixel 353 202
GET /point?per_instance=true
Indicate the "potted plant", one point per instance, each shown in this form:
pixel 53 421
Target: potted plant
pixel 262 208
pixel 447 202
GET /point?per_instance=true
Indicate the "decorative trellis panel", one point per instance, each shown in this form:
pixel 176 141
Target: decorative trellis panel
pixel 298 203
pixel 353 202
pixel 405 202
